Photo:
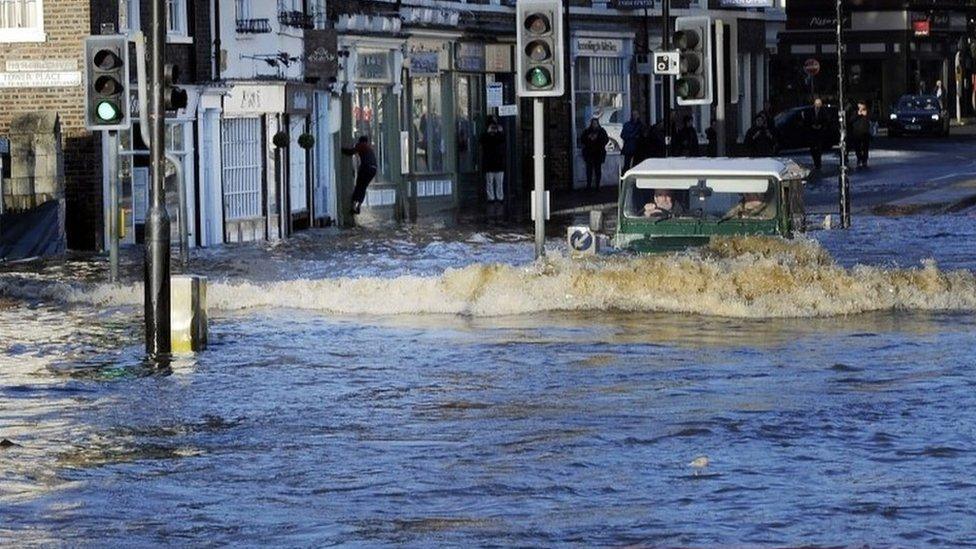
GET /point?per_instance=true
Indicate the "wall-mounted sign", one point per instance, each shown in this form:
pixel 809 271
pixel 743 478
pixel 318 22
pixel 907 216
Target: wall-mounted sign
pixel 34 65
pixel 373 67
pixel 922 28
pixel 255 100
pixel 607 47
pixel 498 58
pixel 298 99
pixel 321 60
pixel 815 22
pixel 631 4
pixel 745 3
pixel 424 63
pixel 508 110
pixel 44 79
pixel 469 56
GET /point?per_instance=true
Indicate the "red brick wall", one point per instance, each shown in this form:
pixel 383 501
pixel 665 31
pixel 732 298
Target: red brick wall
pixel 66 23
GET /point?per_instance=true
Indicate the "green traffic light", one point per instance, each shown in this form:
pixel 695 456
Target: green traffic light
pixel 108 111
pixel 539 77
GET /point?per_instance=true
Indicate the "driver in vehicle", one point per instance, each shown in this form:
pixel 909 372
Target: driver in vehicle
pixel 752 206
pixel 663 205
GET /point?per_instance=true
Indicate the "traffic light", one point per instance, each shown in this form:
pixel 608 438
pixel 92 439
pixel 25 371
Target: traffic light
pixel 540 48
pixel 107 82
pixel 693 40
pixel 174 98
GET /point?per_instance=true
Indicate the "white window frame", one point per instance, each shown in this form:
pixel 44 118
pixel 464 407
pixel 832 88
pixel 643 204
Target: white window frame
pixel 178 34
pixel 133 19
pixel 34 33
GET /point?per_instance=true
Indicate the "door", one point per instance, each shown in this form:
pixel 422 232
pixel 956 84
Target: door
pixel 470 121
pixel 241 153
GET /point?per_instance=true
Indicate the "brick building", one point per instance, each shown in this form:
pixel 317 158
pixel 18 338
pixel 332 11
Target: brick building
pixel 41 54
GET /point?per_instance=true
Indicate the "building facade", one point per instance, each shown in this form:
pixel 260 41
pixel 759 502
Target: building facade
pixel 892 47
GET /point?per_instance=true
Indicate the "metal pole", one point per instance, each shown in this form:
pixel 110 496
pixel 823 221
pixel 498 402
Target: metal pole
pixel 113 201
pixel 844 182
pixel 958 69
pixel 720 87
pixel 538 142
pixel 157 282
pixel 666 85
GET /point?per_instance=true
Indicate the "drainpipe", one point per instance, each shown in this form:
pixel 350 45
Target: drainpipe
pixel 216 41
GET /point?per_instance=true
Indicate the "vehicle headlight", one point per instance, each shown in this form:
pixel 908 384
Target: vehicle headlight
pixel 893 116
pixel 935 117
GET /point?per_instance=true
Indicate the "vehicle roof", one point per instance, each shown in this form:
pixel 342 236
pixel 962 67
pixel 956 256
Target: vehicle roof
pixel 779 168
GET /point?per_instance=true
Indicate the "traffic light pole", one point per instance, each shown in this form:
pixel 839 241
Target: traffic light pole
pixel 539 205
pixel 157 273
pixel 666 87
pixel 113 199
pixel 844 182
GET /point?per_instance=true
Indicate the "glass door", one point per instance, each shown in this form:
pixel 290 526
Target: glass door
pixel 368 119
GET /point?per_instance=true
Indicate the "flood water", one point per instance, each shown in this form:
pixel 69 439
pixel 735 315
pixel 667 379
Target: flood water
pixel 442 388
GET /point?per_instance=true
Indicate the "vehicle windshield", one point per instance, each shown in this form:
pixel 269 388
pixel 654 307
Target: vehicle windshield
pixel 693 203
pixel 917 103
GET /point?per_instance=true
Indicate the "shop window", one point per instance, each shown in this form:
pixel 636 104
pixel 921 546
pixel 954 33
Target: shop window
pixel 601 91
pixel 427 124
pixel 470 121
pixel 368 118
pixel 22 21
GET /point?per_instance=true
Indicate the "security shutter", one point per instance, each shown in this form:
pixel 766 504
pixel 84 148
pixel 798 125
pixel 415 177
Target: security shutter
pixel 241 152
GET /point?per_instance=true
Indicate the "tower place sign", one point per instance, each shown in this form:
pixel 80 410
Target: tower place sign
pixel 607 47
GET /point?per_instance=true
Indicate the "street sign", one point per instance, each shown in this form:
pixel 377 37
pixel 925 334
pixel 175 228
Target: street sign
pixel 493 94
pixel 666 62
pixel 508 110
pixel 811 67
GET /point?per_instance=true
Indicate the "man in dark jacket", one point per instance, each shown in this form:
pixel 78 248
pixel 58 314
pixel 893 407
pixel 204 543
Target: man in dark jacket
pixel 861 134
pixel 594 145
pixel 631 134
pixel 816 124
pixel 759 141
pixel 686 138
pixel 365 172
pixel 493 156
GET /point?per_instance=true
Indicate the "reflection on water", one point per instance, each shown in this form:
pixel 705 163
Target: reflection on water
pixel 300 427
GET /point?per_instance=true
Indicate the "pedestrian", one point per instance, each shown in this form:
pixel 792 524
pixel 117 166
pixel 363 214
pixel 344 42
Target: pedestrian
pixel 686 138
pixel 711 134
pixel 631 134
pixel 594 146
pixel 940 93
pixel 652 141
pixel 759 140
pixel 861 134
pixel 365 172
pixel 816 124
pixel 494 153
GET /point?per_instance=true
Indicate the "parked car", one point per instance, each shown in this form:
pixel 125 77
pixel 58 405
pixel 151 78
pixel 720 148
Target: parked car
pixel 918 114
pixel 791 129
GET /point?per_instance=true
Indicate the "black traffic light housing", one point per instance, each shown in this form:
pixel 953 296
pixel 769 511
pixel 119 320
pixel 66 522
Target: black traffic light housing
pixel 693 40
pixel 174 97
pixel 539 39
pixel 107 82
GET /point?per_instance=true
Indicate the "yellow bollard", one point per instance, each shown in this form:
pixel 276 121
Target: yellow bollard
pixel 188 306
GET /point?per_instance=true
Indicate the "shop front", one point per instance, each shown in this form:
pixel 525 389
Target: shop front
pixel 370 107
pixel 601 89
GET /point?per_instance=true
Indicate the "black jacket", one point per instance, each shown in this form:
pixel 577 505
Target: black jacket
pixel 594 144
pixel 493 151
pixel 860 128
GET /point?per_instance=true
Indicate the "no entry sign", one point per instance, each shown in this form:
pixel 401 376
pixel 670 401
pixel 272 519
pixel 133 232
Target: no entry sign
pixel 812 67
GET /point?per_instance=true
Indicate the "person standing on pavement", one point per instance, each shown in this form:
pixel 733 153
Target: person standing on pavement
pixel 861 134
pixel 940 93
pixel 631 134
pixel 816 124
pixel 594 146
pixel 494 153
pixel 365 172
pixel 687 138
pixel 759 140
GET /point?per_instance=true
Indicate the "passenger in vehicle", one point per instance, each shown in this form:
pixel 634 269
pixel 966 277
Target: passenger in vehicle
pixel 752 206
pixel 663 205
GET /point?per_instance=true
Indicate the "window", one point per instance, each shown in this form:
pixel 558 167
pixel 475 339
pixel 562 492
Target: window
pixel 600 92
pixel 176 21
pixel 427 125
pixel 22 21
pixel 133 22
pixel 469 120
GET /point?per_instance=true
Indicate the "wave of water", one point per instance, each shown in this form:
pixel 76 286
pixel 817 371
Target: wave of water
pixel 733 277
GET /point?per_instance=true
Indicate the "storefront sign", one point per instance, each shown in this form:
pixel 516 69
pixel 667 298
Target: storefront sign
pixel 494 96
pixel 321 60
pixel 48 65
pixel 815 22
pixel 373 67
pixel 921 28
pixel 470 57
pixel 745 3
pixel 255 100
pixel 298 99
pixel 46 79
pixel 607 47
pixel 498 58
pixel 423 63
pixel 631 4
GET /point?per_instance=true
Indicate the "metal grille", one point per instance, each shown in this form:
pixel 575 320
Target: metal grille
pixel 241 151
pixel 18 14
